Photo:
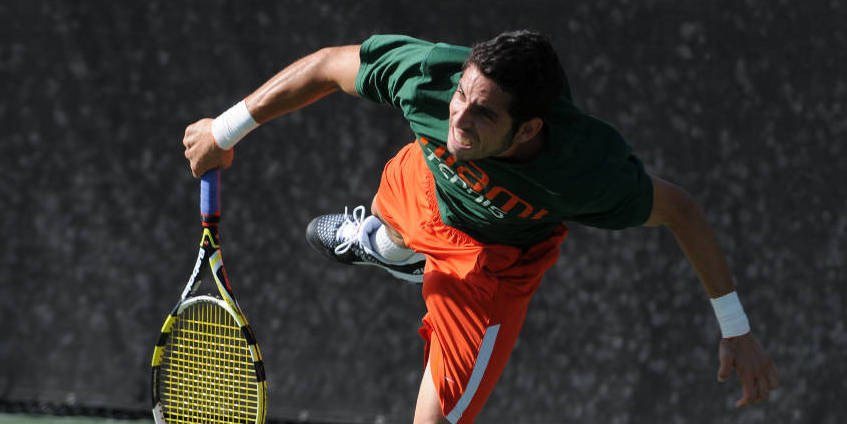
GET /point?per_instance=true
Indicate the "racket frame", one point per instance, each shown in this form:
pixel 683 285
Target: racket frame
pixel 209 253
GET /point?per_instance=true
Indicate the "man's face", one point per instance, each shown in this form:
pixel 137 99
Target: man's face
pixel 480 124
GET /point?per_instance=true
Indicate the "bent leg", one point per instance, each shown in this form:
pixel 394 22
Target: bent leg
pixel 395 235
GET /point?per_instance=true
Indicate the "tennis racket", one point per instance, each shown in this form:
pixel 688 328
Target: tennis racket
pixel 207 367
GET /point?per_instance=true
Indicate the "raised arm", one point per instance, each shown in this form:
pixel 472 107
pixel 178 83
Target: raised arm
pixel 738 350
pixel 302 83
pixel 305 81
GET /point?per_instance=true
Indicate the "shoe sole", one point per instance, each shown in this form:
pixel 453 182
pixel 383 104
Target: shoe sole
pixel 411 278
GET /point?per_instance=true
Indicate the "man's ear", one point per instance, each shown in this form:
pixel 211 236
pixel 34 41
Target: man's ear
pixel 528 130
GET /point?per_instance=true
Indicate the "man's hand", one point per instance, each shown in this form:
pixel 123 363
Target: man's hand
pixel 755 369
pixel 201 150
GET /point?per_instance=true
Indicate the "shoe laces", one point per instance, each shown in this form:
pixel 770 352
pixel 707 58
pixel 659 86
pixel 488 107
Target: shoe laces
pixel 349 229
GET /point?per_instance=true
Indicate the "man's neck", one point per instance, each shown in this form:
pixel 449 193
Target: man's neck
pixel 526 151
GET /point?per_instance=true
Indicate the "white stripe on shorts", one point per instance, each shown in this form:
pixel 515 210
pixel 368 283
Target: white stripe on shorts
pixel 476 376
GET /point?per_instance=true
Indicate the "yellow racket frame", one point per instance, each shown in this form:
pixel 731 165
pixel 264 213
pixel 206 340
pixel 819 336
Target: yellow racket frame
pixel 210 369
pixel 207 367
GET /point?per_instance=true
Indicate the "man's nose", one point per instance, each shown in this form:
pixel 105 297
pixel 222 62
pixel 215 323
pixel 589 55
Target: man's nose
pixel 461 117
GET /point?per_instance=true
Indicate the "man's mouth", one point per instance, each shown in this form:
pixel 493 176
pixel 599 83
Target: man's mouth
pixel 462 140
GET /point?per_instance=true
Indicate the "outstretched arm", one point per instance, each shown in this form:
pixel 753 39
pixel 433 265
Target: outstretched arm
pixel 305 81
pixel 299 84
pixel 677 210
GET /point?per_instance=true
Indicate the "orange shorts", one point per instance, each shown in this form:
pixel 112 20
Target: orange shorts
pixel 476 294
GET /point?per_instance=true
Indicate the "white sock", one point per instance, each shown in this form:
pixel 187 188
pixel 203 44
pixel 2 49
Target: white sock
pixel 383 245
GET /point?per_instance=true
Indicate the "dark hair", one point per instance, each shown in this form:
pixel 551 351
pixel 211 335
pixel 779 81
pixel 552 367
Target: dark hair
pixel 525 65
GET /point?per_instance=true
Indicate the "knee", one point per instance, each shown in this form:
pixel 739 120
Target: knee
pixel 375 210
pixel 393 234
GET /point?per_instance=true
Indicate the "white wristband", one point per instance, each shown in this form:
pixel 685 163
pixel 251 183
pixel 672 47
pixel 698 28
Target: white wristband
pixel 731 316
pixel 232 125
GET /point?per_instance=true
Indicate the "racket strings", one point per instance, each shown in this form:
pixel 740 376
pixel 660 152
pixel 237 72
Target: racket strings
pixel 207 371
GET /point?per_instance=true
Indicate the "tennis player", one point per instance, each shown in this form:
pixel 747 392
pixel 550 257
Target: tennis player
pixel 475 207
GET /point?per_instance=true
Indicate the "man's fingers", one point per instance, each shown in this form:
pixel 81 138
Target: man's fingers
pixel 192 166
pixel 756 372
pixel 727 362
pixel 748 389
pixel 757 393
pixel 762 394
pixel 227 158
pixel 725 371
pixel 200 149
pixel 188 139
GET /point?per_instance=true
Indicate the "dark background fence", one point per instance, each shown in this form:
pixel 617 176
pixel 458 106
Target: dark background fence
pixel 742 103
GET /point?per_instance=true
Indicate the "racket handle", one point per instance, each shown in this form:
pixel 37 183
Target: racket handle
pixel 210 193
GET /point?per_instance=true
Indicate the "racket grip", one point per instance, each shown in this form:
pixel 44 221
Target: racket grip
pixel 210 193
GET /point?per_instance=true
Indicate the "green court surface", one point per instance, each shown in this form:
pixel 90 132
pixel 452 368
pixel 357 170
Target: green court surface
pixel 50 419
